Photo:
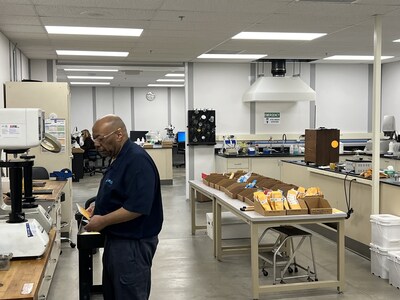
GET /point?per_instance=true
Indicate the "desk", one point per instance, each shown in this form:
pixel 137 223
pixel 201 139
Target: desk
pixel 86 242
pixel 255 220
pixel 38 271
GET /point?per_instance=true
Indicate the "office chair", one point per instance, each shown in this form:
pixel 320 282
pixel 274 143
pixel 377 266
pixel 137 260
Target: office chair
pixel 90 163
pixel 181 152
pixel 42 173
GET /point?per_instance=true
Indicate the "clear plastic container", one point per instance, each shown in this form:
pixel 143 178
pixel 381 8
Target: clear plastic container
pixel 5 261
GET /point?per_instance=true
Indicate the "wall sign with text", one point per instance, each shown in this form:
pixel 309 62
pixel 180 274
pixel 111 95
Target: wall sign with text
pixel 272 117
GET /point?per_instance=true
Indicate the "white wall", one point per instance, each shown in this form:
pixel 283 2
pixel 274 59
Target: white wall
pixel 122 105
pixel 220 86
pixel 147 115
pixel 391 91
pixel 39 69
pixel 81 108
pixel 151 115
pixel 178 110
pixel 5 65
pixel 342 97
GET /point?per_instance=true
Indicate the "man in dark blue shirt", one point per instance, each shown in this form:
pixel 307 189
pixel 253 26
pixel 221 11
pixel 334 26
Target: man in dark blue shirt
pixel 128 210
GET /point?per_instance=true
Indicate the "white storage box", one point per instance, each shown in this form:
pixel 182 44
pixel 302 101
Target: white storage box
pixel 232 226
pixel 385 231
pixel 379 261
pixel 394 268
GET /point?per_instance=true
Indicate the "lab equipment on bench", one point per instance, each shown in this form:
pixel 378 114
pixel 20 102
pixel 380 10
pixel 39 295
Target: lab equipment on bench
pixel 20 130
pixel 230 146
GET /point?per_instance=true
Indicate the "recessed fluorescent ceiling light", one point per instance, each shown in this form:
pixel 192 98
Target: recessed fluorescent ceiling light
pixel 354 57
pixel 396 41
pixel 289 36
pixel 92 53
pixel 172 80
pixel 232 56
pixel 93 30
pixel 91 70
pixel 166 85
pixel 90 77
pixel 89 83
pixel 175 75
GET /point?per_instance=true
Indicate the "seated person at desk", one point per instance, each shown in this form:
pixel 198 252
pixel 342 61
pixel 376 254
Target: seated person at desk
pixel 86 141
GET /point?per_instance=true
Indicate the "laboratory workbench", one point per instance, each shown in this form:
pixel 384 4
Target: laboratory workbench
pixel 344 190
pixel 222 201
pixel 37 271
pixel 24 272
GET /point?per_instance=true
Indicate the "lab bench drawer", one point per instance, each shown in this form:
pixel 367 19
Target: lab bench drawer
pixel 237 163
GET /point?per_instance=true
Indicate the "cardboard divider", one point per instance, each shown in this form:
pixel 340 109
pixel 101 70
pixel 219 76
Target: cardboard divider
pixel 302 211
pixel 267 183
pixel 249 199
pixel 224 183
pixel 234 189
pixel 259 209
pixel 246 192
pixel 317 205
pixel 284 187
pixel 213 178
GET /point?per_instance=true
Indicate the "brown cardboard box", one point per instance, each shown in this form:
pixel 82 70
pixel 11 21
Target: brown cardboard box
pixel 222 184
pixel 233 190
pixel 302 211
pixel 249 199
pixel 284 187
pixel 267 183
pixel 213 178
pixel 317 205
pixel 259 209
pixel 246 192
pixel 202 198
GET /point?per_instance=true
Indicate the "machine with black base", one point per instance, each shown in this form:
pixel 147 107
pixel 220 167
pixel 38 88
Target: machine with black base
pixel 22 129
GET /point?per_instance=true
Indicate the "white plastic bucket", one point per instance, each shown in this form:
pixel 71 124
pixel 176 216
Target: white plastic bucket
pixel 385 231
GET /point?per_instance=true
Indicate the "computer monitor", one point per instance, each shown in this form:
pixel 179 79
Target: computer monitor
pixel 180 137
pixel 135 134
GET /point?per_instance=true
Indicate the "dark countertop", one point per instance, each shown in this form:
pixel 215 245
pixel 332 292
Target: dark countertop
pixel 390 181
pixel 273 154
pixel 260 155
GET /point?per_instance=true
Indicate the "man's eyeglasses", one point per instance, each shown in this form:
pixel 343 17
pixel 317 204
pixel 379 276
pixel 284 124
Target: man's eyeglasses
pixel 99 139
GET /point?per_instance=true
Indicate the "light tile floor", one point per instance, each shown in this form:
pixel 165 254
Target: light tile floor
pixel 184 267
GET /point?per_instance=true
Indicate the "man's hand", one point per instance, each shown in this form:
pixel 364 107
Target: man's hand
pixel 96 223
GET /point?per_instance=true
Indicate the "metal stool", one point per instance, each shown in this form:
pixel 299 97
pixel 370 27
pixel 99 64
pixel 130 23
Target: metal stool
pixel 279 256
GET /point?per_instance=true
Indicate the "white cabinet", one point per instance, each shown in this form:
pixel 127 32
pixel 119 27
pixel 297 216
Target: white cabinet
pixel 162 157
pixel 231 164
pixel 267 166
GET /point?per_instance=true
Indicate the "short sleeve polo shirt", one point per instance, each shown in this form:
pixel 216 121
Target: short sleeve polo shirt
pixel 132 182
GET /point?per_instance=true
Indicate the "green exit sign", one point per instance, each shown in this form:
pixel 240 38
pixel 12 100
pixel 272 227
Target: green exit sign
pixel 272 117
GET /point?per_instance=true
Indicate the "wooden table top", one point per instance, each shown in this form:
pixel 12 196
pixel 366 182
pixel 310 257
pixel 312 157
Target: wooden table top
pixel 55 185
pixel 24 271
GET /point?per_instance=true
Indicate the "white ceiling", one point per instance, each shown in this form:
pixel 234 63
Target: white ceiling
pixel 177 31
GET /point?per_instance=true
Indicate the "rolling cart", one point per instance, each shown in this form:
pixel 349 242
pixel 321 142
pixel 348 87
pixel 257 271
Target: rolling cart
pixel 283 254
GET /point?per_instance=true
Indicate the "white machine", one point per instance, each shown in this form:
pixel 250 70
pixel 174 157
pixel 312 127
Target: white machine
pixel 21 129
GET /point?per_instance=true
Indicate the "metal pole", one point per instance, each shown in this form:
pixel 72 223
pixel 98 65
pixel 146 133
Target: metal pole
pixel 376 118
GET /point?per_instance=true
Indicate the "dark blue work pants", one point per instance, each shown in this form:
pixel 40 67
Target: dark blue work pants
pixel 127 268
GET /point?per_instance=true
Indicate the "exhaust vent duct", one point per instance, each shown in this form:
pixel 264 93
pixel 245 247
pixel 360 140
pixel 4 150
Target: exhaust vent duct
pixel 278 88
